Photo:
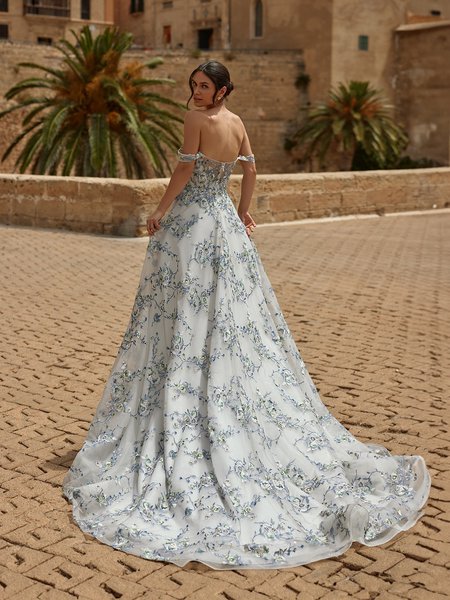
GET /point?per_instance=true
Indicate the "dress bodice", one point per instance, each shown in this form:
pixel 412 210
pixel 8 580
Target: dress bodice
pixel 210 174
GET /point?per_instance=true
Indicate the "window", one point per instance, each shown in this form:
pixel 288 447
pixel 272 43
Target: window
pixel 168 4
pixel 363 42
pixel 86 9
pixel 435 13
pixel 45 41
pixel 258 18
pixel 136 6
pixel 3 5
pixel 4 33
pixel 167 35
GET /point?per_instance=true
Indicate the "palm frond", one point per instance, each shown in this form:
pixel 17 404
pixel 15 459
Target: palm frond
pixel 57 73
pixel 71 151
pixel 99 141
pixel 19 138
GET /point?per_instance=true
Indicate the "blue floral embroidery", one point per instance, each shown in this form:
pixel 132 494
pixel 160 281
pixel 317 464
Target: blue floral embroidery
pixel 211 442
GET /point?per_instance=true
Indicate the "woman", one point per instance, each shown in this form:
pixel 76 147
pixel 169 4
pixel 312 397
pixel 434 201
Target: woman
pixel 211 442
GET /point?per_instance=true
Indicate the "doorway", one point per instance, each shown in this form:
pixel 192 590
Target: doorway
pixel 205 37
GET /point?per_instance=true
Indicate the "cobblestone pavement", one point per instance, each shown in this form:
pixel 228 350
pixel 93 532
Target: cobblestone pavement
pixel 368 301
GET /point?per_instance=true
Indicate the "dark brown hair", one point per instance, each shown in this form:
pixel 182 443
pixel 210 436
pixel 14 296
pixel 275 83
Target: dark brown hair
pixel 219 75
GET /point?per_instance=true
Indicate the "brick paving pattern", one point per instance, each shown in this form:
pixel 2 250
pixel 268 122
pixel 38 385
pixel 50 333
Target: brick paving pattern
pixel 368 303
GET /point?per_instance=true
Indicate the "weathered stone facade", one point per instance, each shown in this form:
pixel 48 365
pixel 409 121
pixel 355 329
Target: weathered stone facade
pixel 422 93
pixel 268 44
pixel 46 21
pixel 289 25
pixel 172 24
pixel 340 39
pixel 121 207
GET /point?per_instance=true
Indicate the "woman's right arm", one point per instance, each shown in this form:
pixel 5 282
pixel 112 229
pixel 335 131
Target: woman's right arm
pixel 247 185
pixel 182 172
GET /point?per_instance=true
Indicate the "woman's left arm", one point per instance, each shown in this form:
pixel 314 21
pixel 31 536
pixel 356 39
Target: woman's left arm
pixel 182 172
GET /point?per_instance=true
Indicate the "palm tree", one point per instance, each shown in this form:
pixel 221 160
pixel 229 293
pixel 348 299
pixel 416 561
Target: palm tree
pixel 92 117
pixel 354 121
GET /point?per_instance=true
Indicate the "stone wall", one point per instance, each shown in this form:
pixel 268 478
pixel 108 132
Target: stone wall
pixel 265 95
pixel 120 207
pixel 423 88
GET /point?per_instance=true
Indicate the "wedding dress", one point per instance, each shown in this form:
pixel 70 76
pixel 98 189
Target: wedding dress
pixel 211 442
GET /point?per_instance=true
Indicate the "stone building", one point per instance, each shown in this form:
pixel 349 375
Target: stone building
pixel 340 39
pixel 422 91
pixel 314 43
pixel 363 37
pixel 46 21
pixel 172 24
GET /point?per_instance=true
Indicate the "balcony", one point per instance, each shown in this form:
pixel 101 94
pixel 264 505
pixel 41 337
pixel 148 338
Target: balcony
pixel 48 8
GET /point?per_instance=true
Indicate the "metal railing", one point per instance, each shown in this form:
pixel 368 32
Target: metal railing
pixel 48 8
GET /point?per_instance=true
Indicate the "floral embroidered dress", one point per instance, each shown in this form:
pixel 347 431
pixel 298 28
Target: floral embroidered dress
pixel 211 442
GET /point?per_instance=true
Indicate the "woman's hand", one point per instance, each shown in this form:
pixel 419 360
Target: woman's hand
pixel 248 221
pixel 153 222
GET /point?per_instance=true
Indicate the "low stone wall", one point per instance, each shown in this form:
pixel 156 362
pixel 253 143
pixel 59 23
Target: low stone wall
pixel 120 207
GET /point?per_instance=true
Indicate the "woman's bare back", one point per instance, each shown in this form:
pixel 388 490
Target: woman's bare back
pixel 222 134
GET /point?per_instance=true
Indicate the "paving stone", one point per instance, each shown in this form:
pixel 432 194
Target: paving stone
pixel 423 594
pixel 21 559
pixel 12 584
pixel 188 583
pixel 370 583
pixel 243 578
pixel 421 574
pixel 42 592
pixel 383 559
pixel 322 570
pixel 309 591
pixel 279 586
pixel 367 302
pixel 336 595
pixel 356 561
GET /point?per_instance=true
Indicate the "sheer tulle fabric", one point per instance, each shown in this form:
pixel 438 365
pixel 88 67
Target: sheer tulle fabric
pixel 210 442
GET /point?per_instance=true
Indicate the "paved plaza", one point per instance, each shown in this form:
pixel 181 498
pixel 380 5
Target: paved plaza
pixel 368 302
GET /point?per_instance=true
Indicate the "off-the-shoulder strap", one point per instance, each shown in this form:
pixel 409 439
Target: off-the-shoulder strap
pixel 187 157
pixel 248 158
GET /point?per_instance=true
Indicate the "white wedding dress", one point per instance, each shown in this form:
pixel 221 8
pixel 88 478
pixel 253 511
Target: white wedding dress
pixel 211 442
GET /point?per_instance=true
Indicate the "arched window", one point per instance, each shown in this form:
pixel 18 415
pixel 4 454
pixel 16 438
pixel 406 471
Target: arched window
pixel 258 18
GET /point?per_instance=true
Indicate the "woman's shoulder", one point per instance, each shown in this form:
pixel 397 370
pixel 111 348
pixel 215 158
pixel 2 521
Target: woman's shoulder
pixel 234 116
pixel 194 115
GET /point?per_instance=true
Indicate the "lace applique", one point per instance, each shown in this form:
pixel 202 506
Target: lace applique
pixel 187 157
pixel 182 157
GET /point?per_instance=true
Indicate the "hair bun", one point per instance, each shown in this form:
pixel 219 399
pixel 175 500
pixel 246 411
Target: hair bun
pixel 230 87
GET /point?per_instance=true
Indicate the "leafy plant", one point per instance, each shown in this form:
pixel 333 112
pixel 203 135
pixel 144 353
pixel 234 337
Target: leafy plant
pixel 93 117
pixel 195 53
pixel 354 118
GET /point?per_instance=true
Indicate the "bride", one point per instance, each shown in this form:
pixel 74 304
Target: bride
pixel 210 442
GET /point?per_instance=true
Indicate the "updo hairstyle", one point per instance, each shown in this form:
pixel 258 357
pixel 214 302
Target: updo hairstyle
pixel 219 75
